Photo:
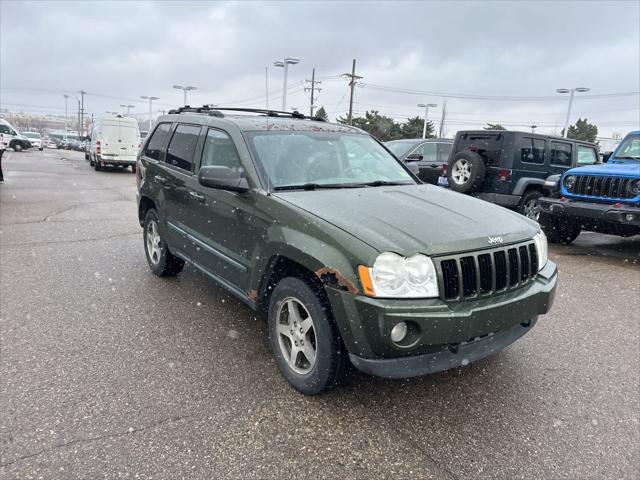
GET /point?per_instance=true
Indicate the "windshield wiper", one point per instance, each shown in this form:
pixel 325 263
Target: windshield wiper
pixel 383 183
pixel 316 186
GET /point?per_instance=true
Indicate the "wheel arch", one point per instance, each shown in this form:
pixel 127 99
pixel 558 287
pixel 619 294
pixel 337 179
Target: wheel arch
pixel 144 205
pixel 526 184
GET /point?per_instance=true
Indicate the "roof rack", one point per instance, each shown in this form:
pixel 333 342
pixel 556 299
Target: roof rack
pixel 217 112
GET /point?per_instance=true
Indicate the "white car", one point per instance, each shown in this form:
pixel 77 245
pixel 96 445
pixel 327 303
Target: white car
pixel 12 139
pixel 35 139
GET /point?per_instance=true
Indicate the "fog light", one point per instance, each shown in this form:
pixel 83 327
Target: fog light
pixel 399 332
pixel 629 217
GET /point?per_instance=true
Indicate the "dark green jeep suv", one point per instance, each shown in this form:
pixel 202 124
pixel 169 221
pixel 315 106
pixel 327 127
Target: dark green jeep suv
pixel 352 258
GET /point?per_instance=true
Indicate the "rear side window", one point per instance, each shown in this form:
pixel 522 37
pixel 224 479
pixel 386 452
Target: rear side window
pixel 561 154
pixel 586 155
pixel 220 151
pixel 532 150
pixel 488 146
pixel 182 146
pixel 156 142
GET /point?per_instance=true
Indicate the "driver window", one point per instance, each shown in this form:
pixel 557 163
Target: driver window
pixel 220 151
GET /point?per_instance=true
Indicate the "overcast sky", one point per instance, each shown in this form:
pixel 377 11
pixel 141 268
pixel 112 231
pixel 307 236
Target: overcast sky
pixel 118 51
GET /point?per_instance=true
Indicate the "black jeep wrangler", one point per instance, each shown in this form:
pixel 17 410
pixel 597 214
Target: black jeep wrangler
pixel 511 168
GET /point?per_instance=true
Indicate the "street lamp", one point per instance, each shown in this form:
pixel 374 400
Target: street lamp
pixel 151 99
pixel 65 115
pixel 185 90
pixel 426 113
pixel 571 92
pixel 128 107
pixel 285 64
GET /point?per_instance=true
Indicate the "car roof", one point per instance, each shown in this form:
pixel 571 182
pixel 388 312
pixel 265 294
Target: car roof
pixel 257 123
pixel 420 140
pixel 518 132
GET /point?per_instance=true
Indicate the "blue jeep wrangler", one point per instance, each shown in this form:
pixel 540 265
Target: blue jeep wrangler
pixel 601 198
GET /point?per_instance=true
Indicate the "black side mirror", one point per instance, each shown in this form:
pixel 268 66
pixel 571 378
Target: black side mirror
pixel 606 156
pixel 414 157
pixel 223 178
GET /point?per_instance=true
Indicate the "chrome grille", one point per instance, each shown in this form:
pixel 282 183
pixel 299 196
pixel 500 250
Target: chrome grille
pixel 483 273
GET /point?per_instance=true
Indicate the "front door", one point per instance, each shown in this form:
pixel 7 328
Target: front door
pixel 226 225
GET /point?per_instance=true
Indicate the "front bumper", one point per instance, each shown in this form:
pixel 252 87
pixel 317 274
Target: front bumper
pixel 445 334
pixel 590 212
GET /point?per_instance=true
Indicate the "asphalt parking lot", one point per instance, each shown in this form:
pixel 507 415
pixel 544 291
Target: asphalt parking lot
pixel 107 371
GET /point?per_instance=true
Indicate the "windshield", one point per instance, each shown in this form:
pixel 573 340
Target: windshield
pixel 629 150
pixel 31 135
pixel 400 148
pixel 325 159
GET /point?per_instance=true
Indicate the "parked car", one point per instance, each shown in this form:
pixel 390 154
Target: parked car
pixel 12 139
pixel 35 139
pixel 601 198
pixel 350 257
pixel 51 143
pixel 510 168
pixel 430 155
pixel 115 141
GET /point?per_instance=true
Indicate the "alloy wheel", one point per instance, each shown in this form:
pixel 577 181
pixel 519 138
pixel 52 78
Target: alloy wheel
pixel 461 171
pixel 296 335
pixel 153 242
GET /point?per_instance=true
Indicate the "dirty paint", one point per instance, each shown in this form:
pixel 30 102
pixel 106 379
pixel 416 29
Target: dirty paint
pixel 333 278
pixel 253 295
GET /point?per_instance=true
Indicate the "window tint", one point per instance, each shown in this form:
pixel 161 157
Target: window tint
pixel 219 151
pixel 428 152
pixel 444 150
pixel 532 150
pixel 156 142
pixel 586 155
pixel 182 146
pixel 561 154
pixel 488 146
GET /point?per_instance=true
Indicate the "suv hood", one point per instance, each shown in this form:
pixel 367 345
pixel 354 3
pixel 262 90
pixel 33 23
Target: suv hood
pixel 629 168
pixel 415 218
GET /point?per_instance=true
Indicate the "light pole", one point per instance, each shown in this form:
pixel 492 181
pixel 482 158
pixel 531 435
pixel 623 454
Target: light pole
pixel 128 107
pixel 185 90
pixel 426 113
pixel 151 99
pixel 285 64
pixel 65 115
pixel 571 92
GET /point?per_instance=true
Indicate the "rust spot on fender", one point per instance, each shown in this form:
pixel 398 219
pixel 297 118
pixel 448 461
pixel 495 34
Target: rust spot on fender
pixel 333 278
pixel 253 295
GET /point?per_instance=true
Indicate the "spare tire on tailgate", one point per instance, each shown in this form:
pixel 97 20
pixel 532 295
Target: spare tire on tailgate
pixel 466 172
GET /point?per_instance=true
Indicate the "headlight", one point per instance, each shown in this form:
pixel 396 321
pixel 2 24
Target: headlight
pixel 569 181
pixel 394 276
pixel 634 187
pixel 540 240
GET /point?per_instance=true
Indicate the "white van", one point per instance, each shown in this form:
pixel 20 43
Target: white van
pixel 115 140
pixel 12 139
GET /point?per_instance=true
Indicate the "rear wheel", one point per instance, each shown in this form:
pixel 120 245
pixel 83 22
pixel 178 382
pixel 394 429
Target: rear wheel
pixel 161 261
pixel 466 172
pixel 304 338
pixel 528 205
pixel 559 230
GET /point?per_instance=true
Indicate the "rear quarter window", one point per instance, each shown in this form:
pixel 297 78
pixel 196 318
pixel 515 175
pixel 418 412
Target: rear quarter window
pixel 532 150
pixel 157 141
pixel 561 154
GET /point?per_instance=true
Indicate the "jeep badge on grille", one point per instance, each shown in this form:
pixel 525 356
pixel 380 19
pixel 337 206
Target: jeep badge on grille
pixel 495 240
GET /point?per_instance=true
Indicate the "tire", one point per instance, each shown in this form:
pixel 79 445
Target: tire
pixel 97 166
pixel 528 205
pixel 17 147
pixel 331 359
pixel 559 230
pixel 133 168
pixel 86 156
pixel 466 172
pixel 161 261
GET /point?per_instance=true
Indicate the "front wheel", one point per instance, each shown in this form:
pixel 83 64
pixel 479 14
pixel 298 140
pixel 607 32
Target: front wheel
pixel 559 230
pixel 304 338
pixel 17 147
pixel 161 261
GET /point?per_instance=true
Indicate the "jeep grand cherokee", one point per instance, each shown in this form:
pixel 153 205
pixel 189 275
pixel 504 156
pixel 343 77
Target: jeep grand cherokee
pixel 350 257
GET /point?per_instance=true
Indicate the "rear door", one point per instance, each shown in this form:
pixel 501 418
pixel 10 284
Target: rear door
pixel 119 139
pixel 430 166
pixel 530 160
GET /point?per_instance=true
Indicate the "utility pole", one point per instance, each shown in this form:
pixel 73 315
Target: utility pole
pixel 533 128
pixel 266 86
pixel 128 107
pixel 313 90
pixel 443 118
pixel 79 125
pixel 352 83
pixel 65 115
pixel 82 94
pixel 151 99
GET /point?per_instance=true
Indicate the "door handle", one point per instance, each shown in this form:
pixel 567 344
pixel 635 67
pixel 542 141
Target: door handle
pixel 198 196
pixel 160 179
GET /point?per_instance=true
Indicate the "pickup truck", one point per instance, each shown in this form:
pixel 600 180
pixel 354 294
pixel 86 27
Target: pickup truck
pixel 601 198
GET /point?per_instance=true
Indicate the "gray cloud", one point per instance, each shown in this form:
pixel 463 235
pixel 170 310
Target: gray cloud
pixel 124 50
